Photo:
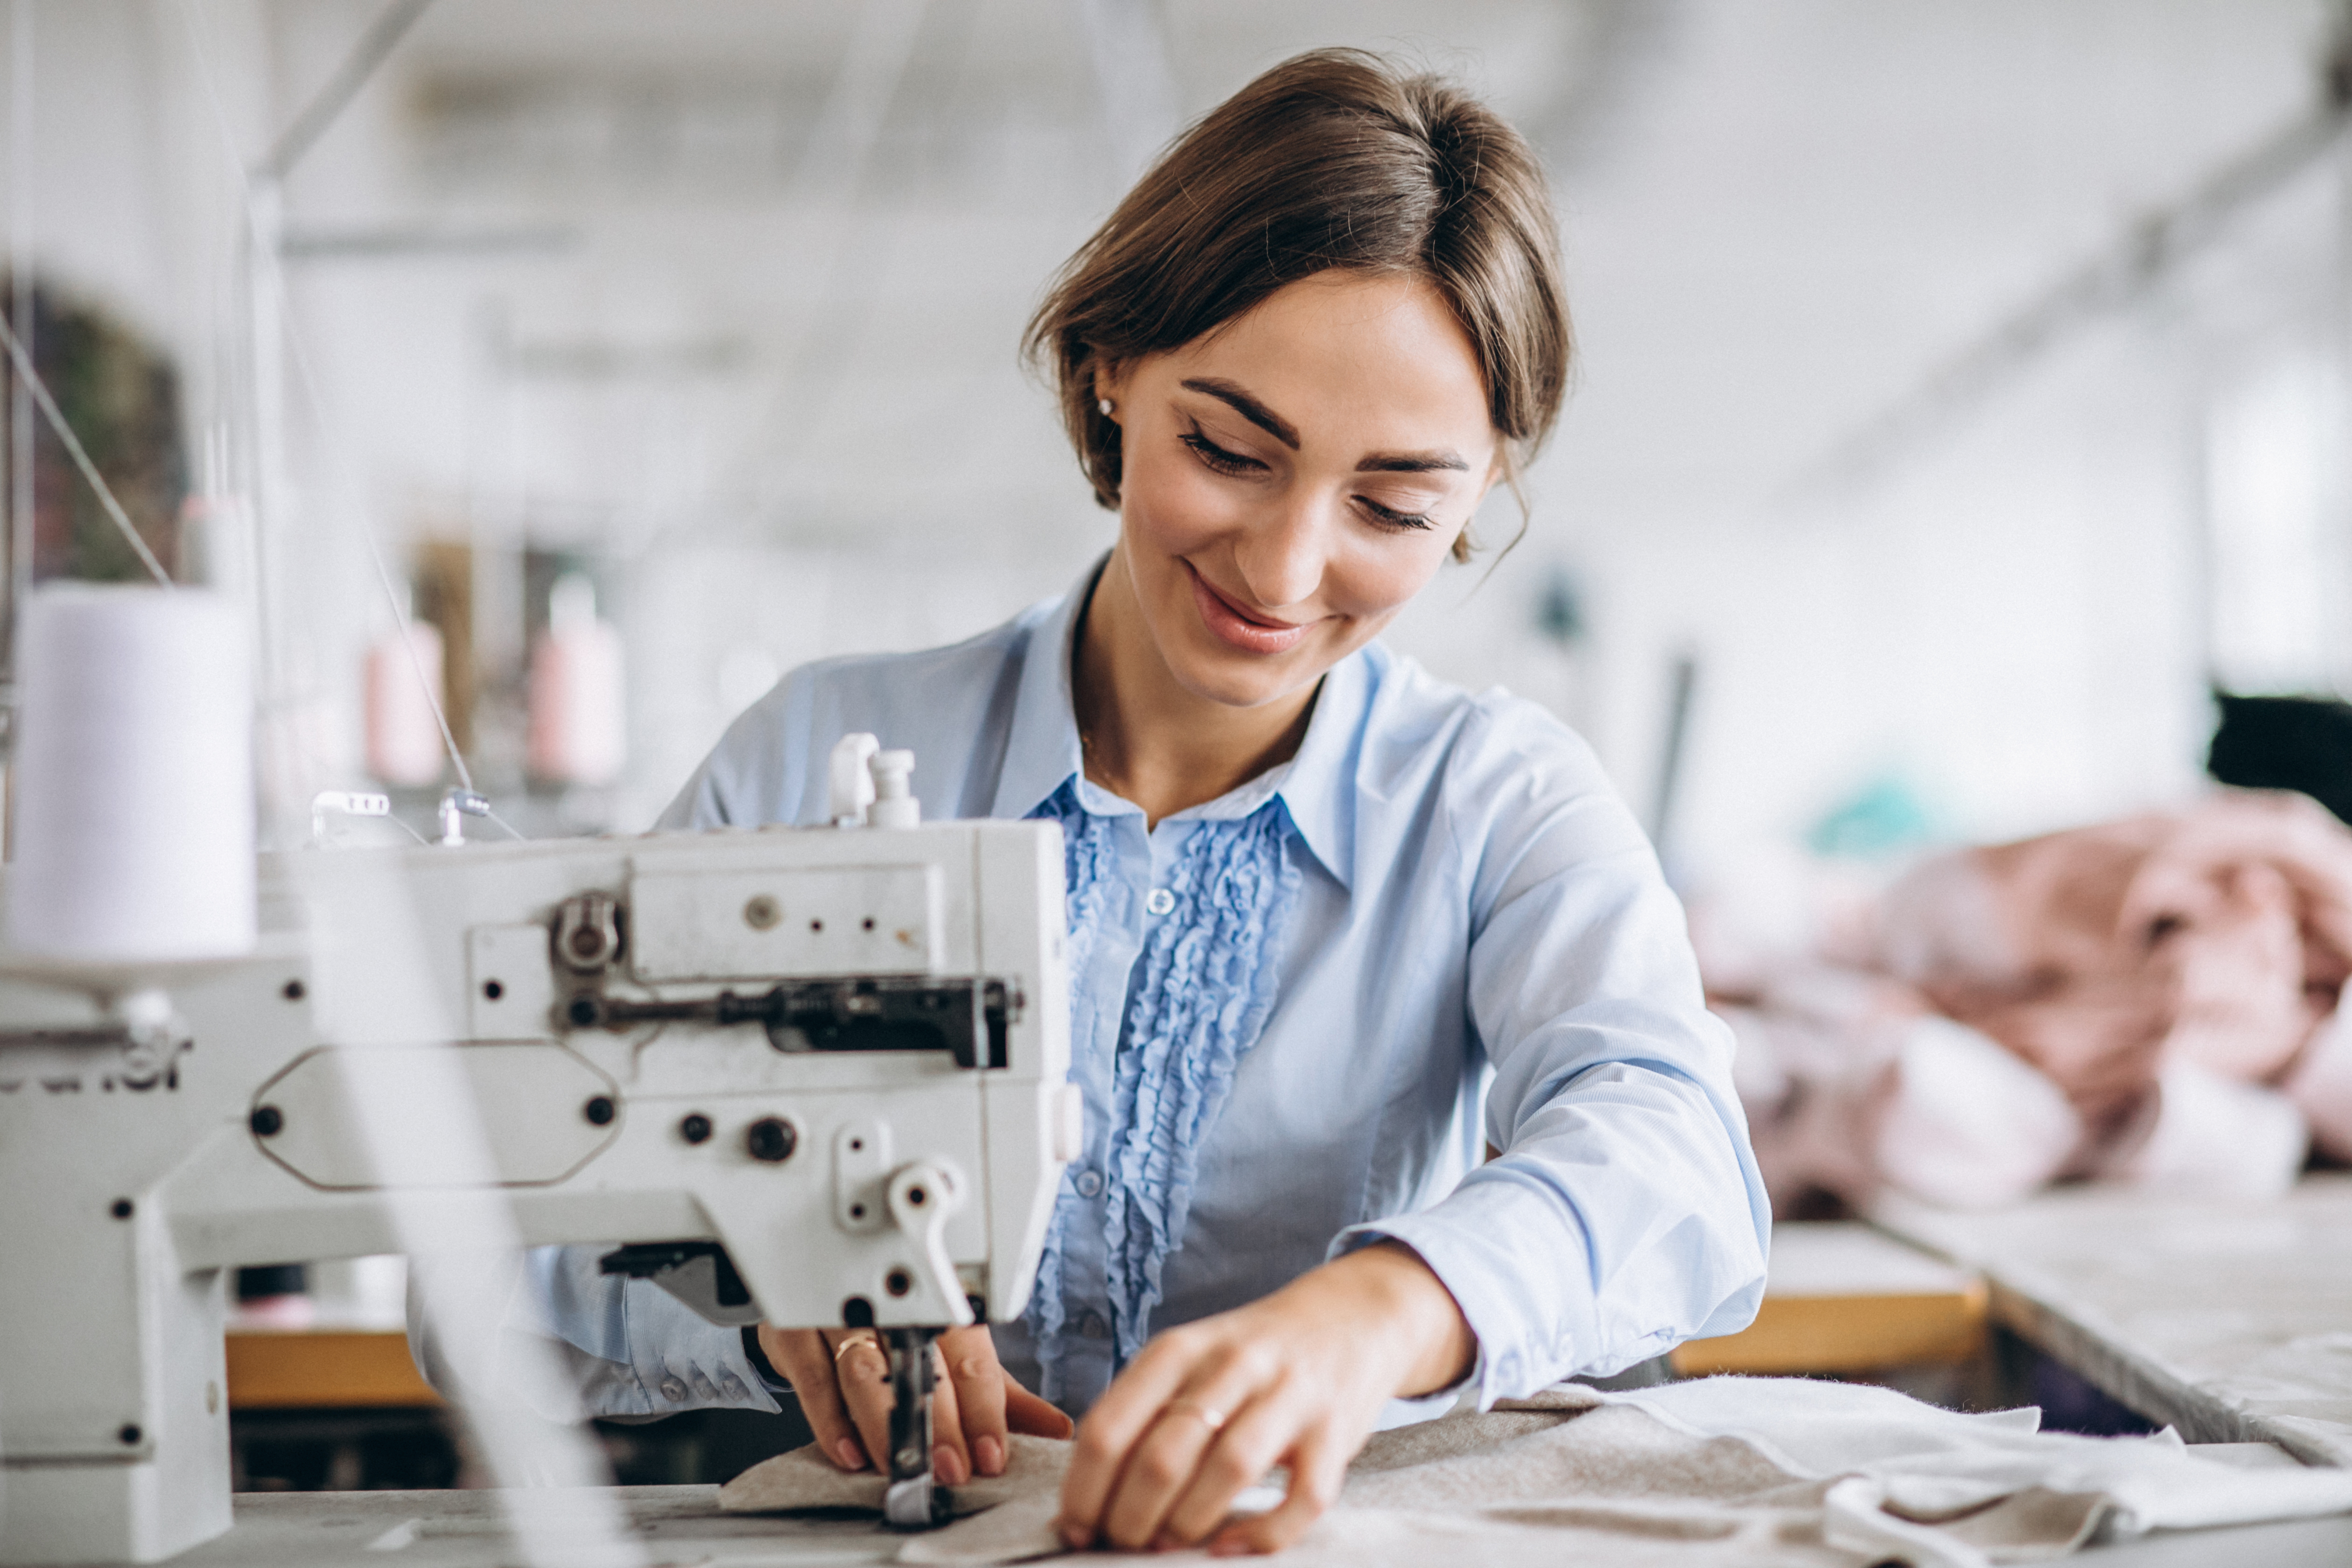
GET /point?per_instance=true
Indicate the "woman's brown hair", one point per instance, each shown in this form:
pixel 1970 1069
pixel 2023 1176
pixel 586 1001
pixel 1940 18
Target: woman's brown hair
pixel 1332 159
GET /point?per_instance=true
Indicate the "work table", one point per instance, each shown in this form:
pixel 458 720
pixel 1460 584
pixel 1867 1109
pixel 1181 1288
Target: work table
pixel 2230 1319
pixel 681 1527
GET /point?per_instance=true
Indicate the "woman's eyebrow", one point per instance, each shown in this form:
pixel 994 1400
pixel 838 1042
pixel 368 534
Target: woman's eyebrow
pixel 1248 407
pixel 1412 463
pixel 1284 431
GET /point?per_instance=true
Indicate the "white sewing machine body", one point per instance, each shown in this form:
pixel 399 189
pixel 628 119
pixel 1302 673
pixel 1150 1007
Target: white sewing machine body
pixel 839 1054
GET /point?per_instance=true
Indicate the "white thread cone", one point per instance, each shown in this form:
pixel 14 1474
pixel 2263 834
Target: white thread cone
pixel 134 827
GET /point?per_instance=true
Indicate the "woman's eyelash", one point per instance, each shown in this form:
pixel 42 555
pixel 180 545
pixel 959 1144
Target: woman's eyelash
pixel 1216 456
pixel 1225 462
pixel 1390 519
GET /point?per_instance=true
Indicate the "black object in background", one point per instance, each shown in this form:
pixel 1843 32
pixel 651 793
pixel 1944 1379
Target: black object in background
pixel 2285 742
pixel 272 1280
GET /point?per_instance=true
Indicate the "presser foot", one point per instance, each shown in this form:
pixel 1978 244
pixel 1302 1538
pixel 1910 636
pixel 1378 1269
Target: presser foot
pixel 913 1499
pixel 917 1504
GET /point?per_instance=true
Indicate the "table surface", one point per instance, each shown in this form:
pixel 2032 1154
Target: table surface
pixel 681 1526
pixel 1845 1298
pixel 2231 1321
pixel 311 1368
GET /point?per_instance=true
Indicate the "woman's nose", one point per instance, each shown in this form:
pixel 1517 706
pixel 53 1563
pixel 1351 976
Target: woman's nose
pixel 1281 555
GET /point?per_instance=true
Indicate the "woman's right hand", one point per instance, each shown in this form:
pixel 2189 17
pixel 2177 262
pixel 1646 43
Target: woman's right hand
pixel 843 1378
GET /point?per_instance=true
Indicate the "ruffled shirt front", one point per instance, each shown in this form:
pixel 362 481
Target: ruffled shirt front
pixel 1196 997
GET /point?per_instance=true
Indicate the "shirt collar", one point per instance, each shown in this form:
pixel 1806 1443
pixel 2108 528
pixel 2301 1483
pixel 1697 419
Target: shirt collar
pixel 1319 789
pixel 1317 786
pixel 1041 751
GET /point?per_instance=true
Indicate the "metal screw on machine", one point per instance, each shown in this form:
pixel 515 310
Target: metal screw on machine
pixel 598 1111
pixel 762 912
pixel 694 1128
pixel 771 1139
pixel 267 1121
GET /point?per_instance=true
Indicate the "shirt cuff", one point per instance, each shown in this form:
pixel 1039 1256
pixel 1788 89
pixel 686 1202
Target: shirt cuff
pixel 775 1382
pixel 1460 1241
pixel 1404 1411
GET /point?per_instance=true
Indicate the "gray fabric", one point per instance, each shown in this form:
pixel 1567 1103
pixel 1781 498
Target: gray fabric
pixel 1714 1473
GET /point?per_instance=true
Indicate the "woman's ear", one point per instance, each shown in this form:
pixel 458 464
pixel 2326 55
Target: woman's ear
pixel 1110 388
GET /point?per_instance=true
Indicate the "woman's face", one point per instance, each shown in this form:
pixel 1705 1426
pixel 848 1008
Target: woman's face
pixel 1292 480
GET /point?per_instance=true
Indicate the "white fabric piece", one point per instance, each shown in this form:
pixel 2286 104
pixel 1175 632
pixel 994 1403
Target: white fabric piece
pixel 2321 1084
pixel 1971 1125
pixel 2220 1138
pixel 1925 1462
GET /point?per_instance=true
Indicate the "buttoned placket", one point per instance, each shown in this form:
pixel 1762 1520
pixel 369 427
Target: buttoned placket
pixel 1086 1362
pixel 1146 861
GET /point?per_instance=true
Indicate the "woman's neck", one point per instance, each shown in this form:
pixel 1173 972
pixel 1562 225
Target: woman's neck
pixel 1149 741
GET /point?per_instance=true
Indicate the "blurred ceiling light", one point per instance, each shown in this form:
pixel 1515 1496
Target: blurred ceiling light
pixel 384 242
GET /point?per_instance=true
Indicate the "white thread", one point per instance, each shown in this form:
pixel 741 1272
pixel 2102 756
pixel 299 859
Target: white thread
pixel 134 777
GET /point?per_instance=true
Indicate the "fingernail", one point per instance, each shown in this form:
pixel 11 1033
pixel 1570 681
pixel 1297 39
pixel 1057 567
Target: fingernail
pixel 947 1466
pixel 989 1453
pixel 851 1455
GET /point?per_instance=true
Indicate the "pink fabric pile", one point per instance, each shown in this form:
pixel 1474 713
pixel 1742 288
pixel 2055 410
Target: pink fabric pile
pixel 2152 1001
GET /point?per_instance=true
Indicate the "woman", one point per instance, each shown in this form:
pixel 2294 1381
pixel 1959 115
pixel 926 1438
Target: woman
pixel 1321 904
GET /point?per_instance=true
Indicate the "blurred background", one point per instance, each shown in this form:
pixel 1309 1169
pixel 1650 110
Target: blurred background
pixel 1960 418
pixel 1960 398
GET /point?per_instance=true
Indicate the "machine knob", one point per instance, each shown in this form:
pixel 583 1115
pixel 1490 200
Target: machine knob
pixel 771 1139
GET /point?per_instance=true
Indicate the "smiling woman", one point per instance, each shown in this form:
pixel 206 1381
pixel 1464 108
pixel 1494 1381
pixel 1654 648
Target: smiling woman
pixel 1334 925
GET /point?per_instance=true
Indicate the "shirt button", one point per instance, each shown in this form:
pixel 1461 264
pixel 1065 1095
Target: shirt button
pixel 1093 1327
pixel 1089 1183
pixel 673 1390
pixel 1160 901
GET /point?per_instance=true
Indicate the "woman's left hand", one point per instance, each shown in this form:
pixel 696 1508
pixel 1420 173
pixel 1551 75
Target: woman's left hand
pixel 1297 1378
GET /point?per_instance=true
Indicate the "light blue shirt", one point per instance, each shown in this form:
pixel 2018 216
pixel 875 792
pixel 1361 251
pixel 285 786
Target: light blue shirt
pixel 1482 951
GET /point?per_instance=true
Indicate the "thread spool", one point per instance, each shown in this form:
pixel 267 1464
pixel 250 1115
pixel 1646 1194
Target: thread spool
pixel 579 725
pixel 403 737
pixel 134 830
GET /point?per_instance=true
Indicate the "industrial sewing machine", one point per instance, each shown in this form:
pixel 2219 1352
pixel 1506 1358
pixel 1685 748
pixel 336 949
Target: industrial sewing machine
pixel 814 1076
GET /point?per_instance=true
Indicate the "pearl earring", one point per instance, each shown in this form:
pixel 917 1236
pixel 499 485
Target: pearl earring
pixel 1103 404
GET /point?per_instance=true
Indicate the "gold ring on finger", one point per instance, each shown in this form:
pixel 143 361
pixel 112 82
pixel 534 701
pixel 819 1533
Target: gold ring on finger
pixel 848 1340
pixel 1214 1420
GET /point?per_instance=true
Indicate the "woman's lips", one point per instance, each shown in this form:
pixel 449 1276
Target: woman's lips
pixel 1235 630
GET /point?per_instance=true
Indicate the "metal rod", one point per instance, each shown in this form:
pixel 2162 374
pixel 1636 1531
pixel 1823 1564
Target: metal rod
pixel 28 376
pixel 377 43
pixel 2148 250
pixel 21 429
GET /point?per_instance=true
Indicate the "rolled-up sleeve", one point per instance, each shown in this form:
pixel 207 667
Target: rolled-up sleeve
pixel 1624 1212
